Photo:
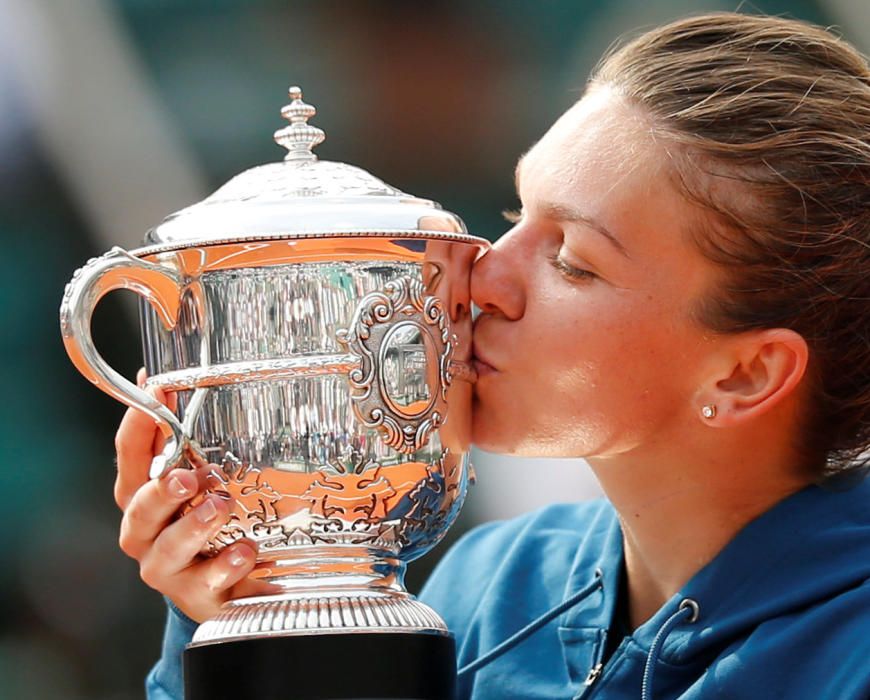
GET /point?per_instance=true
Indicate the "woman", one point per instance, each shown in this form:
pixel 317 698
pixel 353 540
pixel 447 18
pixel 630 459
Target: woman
pixel 691 266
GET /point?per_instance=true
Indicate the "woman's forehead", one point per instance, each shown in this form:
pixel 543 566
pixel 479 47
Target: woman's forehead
pixel 601 158
pixel 601 136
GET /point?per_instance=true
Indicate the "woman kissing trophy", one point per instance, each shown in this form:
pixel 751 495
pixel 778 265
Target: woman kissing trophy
pixel 314 324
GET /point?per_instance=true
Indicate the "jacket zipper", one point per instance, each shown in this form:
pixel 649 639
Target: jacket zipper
pixel 596 670
pixel 594 674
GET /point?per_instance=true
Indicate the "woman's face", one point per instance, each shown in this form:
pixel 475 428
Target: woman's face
pixel 586 345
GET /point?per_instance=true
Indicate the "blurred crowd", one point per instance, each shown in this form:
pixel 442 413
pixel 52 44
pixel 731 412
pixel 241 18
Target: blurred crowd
pixel 114 114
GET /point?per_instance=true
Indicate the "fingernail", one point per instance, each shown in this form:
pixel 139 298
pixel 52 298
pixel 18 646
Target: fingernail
pixel 206 511
pixel 178 489
pixel 237 558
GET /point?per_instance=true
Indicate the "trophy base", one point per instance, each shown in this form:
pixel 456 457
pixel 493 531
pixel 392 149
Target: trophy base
pixel 370 666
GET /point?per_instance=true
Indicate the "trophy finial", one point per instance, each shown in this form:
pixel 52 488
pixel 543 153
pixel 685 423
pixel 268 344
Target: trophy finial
pixel 300 136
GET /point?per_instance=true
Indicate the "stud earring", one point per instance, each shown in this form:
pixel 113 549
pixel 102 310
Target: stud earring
pixel 709 411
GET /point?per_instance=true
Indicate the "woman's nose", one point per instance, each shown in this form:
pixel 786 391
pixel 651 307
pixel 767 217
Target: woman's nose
pixel 497 281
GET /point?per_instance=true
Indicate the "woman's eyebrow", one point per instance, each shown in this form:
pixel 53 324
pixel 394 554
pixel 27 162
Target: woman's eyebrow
pixel 562 213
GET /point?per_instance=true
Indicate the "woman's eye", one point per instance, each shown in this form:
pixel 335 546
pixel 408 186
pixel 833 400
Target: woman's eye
pixel 574 273
pixel 512 216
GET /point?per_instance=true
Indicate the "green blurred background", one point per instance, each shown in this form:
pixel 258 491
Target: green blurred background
pixel 115 114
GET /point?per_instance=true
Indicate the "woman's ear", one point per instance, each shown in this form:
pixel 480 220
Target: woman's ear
pixel 763 368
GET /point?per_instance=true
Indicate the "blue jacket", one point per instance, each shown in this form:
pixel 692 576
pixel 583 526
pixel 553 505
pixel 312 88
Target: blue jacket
pixel 783 611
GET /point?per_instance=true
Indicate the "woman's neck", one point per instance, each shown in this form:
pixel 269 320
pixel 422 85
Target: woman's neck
pixel 677 518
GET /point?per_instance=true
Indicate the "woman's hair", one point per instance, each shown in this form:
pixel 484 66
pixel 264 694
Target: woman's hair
pixel 767 122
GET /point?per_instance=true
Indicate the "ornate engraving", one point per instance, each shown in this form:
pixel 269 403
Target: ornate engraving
pixel 372 337
pixel 373 513
pixel 348 502
pixel 433 499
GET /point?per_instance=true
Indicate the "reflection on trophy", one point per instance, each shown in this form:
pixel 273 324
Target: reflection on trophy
pixel 316 326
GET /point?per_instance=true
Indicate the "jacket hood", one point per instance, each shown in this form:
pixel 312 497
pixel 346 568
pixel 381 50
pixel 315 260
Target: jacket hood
pixel 790 558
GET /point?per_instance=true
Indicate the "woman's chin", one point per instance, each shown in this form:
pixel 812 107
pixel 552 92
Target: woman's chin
pixel 487 437
pixel 492 435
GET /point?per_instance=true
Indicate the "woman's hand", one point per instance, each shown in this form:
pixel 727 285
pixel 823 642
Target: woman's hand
pixel 167 547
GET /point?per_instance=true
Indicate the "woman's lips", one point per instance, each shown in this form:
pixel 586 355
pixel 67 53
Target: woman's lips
pixel 482 368
pixel 480 364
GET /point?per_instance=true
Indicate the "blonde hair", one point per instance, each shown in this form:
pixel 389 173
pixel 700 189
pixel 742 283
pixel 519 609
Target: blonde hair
pixel 768 124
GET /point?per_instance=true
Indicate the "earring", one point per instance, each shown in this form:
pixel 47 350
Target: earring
pixel 709 411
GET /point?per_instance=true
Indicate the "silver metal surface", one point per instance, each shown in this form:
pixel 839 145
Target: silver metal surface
pixel 303 195
pixel 326 378
pixel 300 136
pixel 117 269
pixel 275 616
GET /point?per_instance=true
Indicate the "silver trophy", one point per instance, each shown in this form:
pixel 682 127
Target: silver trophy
pixel 315 324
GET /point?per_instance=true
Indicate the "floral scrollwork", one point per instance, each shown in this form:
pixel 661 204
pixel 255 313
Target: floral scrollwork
pixel 402 339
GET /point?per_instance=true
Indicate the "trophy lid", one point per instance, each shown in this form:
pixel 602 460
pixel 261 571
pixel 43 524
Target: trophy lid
pixel 304 197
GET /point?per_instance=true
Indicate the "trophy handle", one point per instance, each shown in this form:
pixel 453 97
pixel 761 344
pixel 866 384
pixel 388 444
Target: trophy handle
pixel 160 286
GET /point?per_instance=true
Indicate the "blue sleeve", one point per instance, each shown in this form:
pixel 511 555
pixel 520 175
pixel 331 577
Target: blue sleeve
pixel 165 681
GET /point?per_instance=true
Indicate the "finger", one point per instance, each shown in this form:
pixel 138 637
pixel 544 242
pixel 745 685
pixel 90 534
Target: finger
pixel 170 398
pixel 230 567
pixel 134 446
pixel 249 587
pixel 200 589
pixel 179 544
pixel 151 508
